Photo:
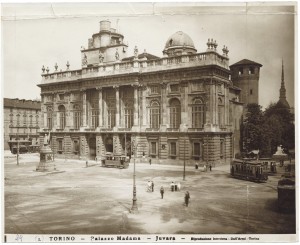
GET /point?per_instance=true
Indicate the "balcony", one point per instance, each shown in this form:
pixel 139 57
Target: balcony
pixel 141 66
pixel 195 129
pixel 173 130
pixel 152 129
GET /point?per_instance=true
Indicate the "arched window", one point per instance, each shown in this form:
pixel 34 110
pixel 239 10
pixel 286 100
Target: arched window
pixel 220 112
pixel 175 113
pixel 198 113
pixel 61 116
pixel 154 114
pixel 49 117
pixel 76 117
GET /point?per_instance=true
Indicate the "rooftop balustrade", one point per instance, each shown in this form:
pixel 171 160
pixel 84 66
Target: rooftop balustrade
pixel 138 66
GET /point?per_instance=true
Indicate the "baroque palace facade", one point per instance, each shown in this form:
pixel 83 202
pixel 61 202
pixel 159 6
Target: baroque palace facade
pixel 183 105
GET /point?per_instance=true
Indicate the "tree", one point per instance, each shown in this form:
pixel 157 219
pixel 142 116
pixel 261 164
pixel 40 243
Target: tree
pixel 286 130
pixel 252 127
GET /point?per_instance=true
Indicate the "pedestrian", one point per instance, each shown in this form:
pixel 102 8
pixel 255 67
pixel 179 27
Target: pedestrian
pixel 204 168
pixel 178 186
pixel 172 186
pixel 152 185
pixel 162 191
pixel 196 165
pixel 210 167
pixel 149 186
pixel 150 161
pixel 187 198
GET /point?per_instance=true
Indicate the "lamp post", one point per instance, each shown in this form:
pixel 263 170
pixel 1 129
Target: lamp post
pixel 134 207
pixel 207 151
pixel 18 147
pixel 184 160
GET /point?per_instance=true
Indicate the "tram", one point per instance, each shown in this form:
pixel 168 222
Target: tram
pixel 269 165
pixel 246 169
pixel 114 161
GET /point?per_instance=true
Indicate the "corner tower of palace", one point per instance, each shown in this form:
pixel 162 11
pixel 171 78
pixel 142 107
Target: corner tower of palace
pixel 181 105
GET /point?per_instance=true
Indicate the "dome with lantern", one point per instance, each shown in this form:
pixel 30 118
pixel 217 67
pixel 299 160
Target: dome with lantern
pixel 179 43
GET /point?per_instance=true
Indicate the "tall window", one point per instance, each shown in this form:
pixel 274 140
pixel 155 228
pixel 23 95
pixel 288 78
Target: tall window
pixel 221 149
pixel 94 115
pixel 25 119
pixel 61 116
pixel 110 99
pixel 111 119
pixel 11 116
pixel 49 118
pixel 60 146
pixel 198 114
pixel 154 89
pixel 76 147
pixel 172 150
pixel 77 117
pixel 18 120
pixel 30 120
pixel 154 115
pixel 221 112
pixel 197 154
pixel 175 113
pixel 128 113
pixel 153 149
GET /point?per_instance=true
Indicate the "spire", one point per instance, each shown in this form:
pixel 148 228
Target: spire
pixel 282 89
pixel 282 92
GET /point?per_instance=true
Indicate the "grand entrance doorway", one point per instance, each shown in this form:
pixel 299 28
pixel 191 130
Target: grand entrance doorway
pixel 92 148
pixel 109 144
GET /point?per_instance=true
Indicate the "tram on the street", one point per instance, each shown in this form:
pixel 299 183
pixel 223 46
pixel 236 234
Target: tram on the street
pixel 115 161
pixel 269 165
pixel 246 169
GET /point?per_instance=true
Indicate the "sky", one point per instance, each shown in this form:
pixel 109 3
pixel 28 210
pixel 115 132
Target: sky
pixel 34 35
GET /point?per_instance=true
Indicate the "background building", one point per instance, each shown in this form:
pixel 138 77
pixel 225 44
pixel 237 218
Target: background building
pixel 22 119
pixel 183 105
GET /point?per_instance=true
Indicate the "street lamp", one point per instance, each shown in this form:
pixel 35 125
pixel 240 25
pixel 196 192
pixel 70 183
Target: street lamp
pixel 184 160
pixel 134 207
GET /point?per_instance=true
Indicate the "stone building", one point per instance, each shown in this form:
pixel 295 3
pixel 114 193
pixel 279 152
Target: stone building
pixel 22 120
pixel 182 105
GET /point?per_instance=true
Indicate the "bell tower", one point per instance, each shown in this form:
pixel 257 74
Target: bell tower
pixel 245 75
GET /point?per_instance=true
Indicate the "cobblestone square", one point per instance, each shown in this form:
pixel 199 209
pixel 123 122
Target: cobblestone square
pixel 96 200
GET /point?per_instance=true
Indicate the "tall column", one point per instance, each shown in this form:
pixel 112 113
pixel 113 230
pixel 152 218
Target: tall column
pixel 84 111
pixel 100 107
pixel 164 113
pixel 136 105
pixel 117 106
pixel 69 112
pixel 144 107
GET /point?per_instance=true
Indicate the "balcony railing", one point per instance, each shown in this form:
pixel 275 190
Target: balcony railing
pixel 195 129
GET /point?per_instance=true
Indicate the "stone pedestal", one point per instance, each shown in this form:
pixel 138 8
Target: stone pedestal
pixel 46 160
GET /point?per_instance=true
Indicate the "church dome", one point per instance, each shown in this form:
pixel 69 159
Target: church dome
pixel 179 42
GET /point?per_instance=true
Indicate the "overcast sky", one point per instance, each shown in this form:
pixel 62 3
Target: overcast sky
pixel 34 35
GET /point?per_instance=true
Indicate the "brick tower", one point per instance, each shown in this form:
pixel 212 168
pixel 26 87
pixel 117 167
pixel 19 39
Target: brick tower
pixel 245 75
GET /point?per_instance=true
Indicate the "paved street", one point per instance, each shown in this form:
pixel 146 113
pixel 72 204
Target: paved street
pixel 96 200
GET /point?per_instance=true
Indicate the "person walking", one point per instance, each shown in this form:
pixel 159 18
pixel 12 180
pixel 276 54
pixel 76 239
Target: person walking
pixel 187 198
pixel 210 167
pixel 152 185
pixel 162 191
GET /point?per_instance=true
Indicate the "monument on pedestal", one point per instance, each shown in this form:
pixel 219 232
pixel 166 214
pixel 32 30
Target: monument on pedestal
pixel 46 157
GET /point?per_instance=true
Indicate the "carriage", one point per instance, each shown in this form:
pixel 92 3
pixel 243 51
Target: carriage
pixel 246 169
pixel 115 161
